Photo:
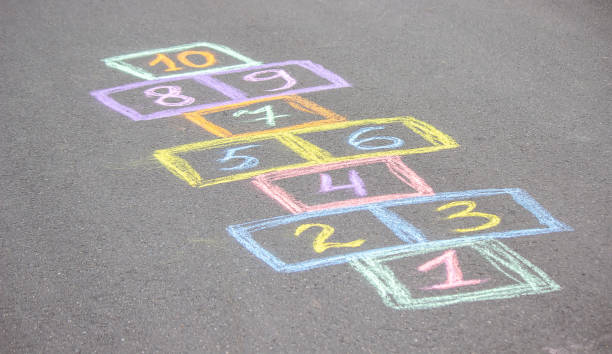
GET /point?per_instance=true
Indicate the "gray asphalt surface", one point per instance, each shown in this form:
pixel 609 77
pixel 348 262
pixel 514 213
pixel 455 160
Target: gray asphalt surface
pixel 103 250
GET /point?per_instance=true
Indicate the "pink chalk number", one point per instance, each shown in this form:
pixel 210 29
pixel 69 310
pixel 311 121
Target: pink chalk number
pixel 454 276
pixel 356 185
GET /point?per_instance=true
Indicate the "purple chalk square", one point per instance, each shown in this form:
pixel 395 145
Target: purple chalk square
pixel 167 97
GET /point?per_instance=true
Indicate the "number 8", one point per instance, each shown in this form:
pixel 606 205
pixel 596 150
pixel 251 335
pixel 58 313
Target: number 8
pixel 173 92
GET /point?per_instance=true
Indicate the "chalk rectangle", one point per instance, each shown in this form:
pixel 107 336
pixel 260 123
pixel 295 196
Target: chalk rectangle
pixel 426 139
pixel 316 114
pixel 409 237
pixel 213 81
pixel 524 278
pixel 125 62
pixel 392 165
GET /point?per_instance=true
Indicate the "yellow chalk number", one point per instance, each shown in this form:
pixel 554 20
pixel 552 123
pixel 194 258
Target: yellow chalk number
pixel 319 244
pixel 468 212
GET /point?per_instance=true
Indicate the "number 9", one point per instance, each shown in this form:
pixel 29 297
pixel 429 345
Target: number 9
pixel 276 73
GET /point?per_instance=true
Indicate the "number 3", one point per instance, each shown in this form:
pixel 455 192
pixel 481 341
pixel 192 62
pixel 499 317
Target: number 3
pixel 494 220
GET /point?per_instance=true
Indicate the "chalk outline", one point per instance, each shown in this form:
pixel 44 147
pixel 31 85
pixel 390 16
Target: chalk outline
pixel 117 62
pixel 402 228
pixel 308 151
pixel 297 102
pixel 394 165
pixel 395 295
pixel 208 80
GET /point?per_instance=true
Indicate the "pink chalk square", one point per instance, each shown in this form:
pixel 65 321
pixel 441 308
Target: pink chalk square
pixel 394 165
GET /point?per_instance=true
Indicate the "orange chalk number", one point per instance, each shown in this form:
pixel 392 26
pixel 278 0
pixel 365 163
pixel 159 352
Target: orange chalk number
pixel 183 58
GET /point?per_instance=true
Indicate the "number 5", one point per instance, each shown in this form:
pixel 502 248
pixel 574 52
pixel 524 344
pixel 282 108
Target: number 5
pixel 249 161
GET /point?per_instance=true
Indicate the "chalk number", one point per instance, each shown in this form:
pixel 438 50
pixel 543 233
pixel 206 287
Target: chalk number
pixel 183 57
pixel 247 161
pixel 493 220
pixel 454 276
pixel 361 144
pixel 275 74
pixel 320 243
pixel 173 93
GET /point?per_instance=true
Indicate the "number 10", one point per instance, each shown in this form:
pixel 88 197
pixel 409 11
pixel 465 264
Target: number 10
pixel 183 58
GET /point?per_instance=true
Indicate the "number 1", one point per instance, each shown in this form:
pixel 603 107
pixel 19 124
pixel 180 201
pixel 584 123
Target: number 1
pixel 454 276
pixel 163 58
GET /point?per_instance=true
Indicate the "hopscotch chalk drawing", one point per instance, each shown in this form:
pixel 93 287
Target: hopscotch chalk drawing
pixel 355 173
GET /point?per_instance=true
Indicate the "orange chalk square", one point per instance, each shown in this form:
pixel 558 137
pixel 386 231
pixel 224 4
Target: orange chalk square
pixel 266 115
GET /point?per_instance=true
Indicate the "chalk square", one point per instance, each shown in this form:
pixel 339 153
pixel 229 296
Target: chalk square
pixel 244 234
pixel 120 62
pixel 410 237
pixel 526 278
pixel 320 115
pixel 313 155
pixel 394 164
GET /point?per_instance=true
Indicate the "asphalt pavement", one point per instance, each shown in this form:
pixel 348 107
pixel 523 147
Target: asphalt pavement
pixel 306 176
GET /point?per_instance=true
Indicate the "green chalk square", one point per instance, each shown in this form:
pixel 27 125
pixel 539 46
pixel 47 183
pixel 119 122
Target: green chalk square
pixel 118 62
pixel 529 279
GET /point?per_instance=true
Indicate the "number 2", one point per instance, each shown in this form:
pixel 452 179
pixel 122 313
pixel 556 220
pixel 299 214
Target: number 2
pixel 494 220
pixel 320 243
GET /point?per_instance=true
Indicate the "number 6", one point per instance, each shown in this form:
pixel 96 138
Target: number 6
pixel 353 140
